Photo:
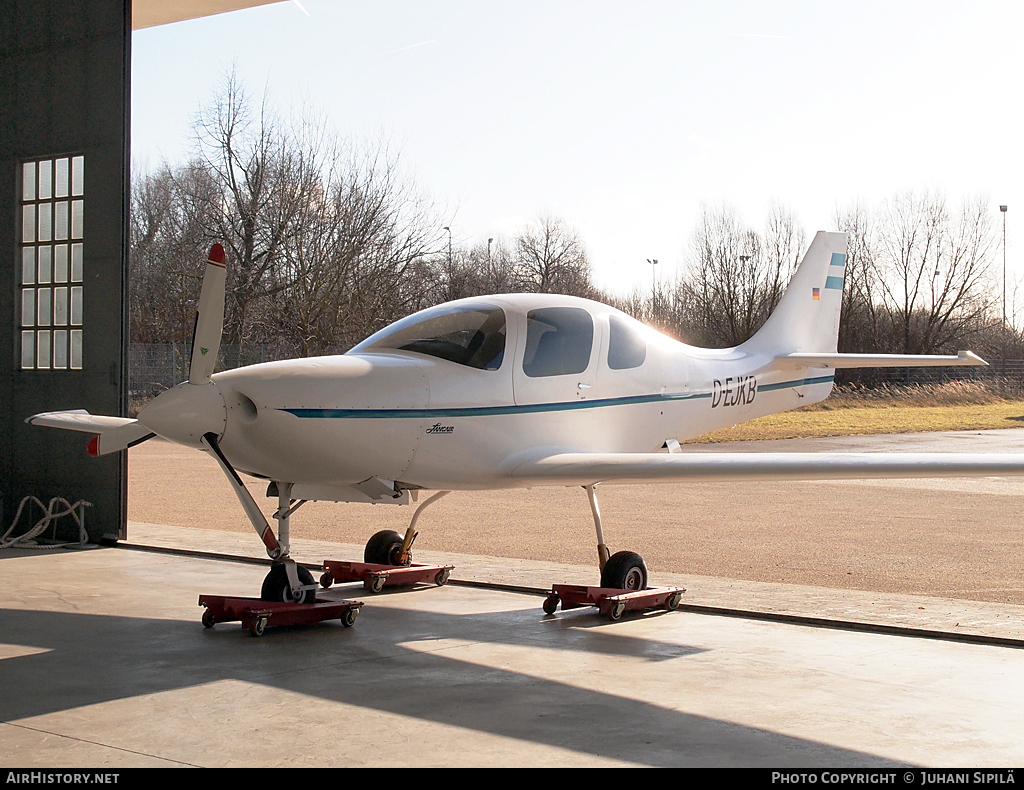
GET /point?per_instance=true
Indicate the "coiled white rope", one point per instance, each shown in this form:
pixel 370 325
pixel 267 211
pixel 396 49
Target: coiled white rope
pixel 57 508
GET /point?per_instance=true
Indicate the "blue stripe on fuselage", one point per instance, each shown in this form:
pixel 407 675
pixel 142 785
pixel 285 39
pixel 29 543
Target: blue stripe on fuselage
pixel 532 408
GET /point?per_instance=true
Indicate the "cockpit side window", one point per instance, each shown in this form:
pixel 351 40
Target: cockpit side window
pixel 626 347
pixel 470 335
pixel 558 341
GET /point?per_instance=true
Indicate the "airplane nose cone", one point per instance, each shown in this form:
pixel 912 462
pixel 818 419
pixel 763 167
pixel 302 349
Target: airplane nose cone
pixel 186 412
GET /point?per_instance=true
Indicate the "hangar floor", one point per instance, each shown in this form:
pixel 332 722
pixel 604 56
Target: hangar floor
pixel 104 663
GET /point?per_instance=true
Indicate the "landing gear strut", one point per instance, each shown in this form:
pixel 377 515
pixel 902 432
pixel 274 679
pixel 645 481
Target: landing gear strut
pixel 623 581
pixel 286 578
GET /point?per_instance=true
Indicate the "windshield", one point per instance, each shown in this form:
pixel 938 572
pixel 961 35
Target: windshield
pixel 473 335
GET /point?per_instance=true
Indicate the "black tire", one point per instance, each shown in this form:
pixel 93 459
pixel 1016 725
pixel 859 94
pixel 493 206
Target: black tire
pixel 551 604
pixel 348 619
pixel 625 570
pixel 277 588
pixel 326 580
pixel 384 548
pixel 208 621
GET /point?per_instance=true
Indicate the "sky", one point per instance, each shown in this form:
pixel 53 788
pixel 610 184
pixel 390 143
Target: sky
pixel 623 118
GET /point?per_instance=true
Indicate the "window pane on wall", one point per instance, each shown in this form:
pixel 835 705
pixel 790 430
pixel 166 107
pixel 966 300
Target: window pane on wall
pixel 28 181
pixel 77 175
pixel 77 219
pixel 60 180
pixel 60 220
pixel 76 349
pixel 42 350
pixel 45 255
pixel 52 209
pixel 76 305
pixel 76 263
pixel 45 211
pixel 28 265
pixel 60 306
pixel 43 307
pixel 28 349
pixel 28 307
pixel 45 179
pixel 28 223
pixel 60 349
pixel 60 263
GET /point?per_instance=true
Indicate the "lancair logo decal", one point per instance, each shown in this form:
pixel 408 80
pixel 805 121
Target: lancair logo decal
pixel 438 428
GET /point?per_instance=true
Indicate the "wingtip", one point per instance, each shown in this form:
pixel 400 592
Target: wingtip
pixel 94 446
pixel 217 254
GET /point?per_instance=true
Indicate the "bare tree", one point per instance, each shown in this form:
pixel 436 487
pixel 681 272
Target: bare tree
pixel 933 270
pixel 727 286
pixel 551 258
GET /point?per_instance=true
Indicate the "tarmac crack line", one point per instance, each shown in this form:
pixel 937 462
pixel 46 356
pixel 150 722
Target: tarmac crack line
pixel 100 743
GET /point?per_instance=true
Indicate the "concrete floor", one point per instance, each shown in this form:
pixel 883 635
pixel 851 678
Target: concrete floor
pixel 104 663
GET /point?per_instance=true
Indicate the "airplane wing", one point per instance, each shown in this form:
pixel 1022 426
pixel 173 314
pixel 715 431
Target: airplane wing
pixel 810 360
pixel 112 434
pixel 569 469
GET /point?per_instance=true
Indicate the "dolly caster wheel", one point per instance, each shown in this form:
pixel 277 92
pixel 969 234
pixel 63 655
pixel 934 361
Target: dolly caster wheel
pixel 551 604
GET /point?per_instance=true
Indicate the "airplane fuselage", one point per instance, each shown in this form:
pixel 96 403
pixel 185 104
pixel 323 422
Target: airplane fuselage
pixel 429 422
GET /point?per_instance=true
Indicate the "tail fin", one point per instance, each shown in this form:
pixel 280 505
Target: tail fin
pixel 807 316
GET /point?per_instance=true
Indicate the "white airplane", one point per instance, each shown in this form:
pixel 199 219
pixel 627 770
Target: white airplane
pixel 509 391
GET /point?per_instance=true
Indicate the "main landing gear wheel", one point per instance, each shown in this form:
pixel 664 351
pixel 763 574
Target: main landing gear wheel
pixel 276 586
pixel 384 548
pixel 625 570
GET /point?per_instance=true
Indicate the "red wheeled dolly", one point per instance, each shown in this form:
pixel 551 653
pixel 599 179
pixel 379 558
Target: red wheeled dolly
pixel 610 601
pixel 376 577
pixel 256 614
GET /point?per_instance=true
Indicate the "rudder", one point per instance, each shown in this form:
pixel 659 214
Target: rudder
pixel 807 316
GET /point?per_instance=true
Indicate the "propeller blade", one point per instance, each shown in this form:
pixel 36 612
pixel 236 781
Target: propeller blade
pixel 117 439
pixel 209 320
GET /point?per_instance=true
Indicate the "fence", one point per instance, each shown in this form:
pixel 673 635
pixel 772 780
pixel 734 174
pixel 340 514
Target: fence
pixel 155 367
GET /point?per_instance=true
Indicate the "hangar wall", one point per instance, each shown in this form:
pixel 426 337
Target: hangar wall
pixel 65 76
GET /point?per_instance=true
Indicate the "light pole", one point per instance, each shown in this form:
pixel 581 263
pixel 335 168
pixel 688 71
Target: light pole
pixel 1002 209
pixel 653 262
pixel 450 289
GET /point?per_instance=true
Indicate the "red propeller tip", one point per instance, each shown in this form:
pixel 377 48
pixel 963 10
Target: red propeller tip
pixel 217 254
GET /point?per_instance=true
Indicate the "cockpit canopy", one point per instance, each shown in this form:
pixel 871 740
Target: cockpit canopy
pixel 472 335
pixel 559 338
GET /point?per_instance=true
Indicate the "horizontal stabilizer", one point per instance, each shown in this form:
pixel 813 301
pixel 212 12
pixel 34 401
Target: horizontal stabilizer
pixel 590 468
pixel 836 360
